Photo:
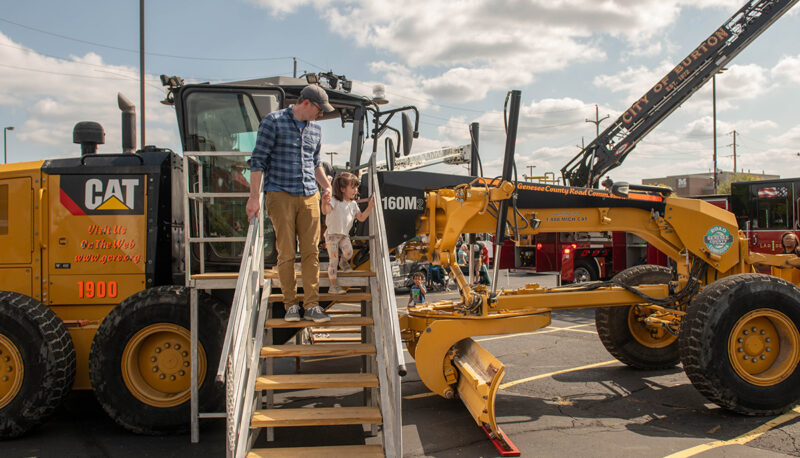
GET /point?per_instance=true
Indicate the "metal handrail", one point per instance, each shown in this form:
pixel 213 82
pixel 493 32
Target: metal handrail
pixel 239 361
pixel 391 362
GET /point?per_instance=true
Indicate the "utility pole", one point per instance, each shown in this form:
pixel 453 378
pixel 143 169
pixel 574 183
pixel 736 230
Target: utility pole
pixel 331 154
pixel 734 150
pixel 530 169
pixel 597 120
pixel 294 59
pixel 5 144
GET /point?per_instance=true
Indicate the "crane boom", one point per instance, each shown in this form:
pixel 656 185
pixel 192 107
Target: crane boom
pixel 450 155
pixel 613 145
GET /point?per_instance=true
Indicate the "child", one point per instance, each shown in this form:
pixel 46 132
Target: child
pixel 340 212
pixel 417 293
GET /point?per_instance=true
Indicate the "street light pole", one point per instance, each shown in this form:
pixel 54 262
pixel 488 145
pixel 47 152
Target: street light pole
pixel 5 144
pixel 331 154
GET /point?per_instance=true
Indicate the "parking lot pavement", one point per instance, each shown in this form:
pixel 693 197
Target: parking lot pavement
pixel 562 395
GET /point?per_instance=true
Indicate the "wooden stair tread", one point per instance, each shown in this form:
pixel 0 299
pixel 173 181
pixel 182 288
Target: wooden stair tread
pixel 332 330
pixel 274 274
pixel 324 274
pixel 350 451
pixel 283 351
pixel 335 321
pixel 346 297
pixel 309 381
pixel 343 312
pixel 326 340
pixel 317 416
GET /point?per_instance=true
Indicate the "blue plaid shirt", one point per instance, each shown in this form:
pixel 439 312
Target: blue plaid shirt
pixel 287 154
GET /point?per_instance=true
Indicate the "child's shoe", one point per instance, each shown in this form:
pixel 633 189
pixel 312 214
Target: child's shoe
pixel 336 289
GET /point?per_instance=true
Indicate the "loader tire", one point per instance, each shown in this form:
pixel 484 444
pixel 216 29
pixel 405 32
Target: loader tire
pixel 139 364
pixel 35 348
pixel 752 372
pixel 626 337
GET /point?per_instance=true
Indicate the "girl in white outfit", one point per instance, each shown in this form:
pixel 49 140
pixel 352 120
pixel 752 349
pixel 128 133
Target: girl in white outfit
pixel 341 210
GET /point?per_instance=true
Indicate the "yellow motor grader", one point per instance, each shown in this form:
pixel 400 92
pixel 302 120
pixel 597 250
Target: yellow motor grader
pixel 735 331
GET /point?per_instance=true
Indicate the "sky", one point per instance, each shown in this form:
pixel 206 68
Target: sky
pixel 65 62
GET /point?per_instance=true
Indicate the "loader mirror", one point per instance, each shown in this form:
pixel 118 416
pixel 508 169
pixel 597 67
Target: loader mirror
pixel 620 189
pixel 390 151
pixel 408 134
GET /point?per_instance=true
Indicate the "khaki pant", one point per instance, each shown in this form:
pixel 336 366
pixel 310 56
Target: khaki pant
pixel 296 217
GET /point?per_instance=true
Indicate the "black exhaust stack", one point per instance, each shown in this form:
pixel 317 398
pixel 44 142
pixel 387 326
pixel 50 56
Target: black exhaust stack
pixel 88 134
pixel 128 123
pixel 508 167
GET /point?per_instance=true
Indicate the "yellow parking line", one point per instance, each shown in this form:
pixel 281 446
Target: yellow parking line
pixel 743 439
pixel 529 379
pixel 547 331
pixel 564 371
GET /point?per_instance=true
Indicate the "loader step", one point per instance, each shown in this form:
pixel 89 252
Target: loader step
pixel 343 312
pixel 310 381
pixel 335 321
pixel 327 340
pixel 350 451
pixel 346 297
pixel 319 416
pixel 283 351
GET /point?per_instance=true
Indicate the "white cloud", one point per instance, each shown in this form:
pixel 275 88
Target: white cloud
pixel 787 68
pixel 50 95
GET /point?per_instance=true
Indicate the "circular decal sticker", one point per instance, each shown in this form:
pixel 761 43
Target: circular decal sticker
pixel 718 239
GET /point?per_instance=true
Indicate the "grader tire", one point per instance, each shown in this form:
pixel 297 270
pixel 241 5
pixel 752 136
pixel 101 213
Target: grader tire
pixel 37 363
pixel 140 360
pixel 629 340
pixel 740 344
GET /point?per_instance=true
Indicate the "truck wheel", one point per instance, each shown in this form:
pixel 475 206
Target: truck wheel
pixel 140 360
pixel 623 332
pixel 37 363
pixel 584 271
pixel 740 344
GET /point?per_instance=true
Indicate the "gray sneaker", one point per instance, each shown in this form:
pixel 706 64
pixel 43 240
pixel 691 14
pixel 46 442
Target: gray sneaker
pixel 293 314
pixel 336 289
pixel 315 313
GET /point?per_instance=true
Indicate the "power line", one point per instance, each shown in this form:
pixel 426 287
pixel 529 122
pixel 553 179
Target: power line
pixel 117 48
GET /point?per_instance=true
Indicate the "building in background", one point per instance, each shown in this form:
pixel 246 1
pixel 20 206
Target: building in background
pixel 702 184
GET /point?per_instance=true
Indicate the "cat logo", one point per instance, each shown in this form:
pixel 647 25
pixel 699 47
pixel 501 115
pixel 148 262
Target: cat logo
pixel 103 194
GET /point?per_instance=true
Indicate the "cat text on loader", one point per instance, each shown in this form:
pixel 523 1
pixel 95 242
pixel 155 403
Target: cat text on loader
pixel 735 331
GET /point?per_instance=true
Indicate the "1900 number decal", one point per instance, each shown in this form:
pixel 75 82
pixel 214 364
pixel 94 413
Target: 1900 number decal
pixel 90 289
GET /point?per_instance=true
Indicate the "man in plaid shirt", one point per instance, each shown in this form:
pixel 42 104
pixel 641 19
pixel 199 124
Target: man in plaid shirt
pixel 287 155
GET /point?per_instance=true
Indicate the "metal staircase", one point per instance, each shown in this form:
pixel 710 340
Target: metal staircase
pixel 247 363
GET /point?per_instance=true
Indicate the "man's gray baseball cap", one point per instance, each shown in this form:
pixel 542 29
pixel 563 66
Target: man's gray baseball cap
pixel 316 94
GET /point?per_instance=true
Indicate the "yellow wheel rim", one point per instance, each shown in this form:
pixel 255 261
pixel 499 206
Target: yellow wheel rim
pixel 649 336
pixel 763 347
pixel 12 371
pixel 156 365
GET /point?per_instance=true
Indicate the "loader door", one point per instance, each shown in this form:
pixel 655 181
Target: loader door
pixel 16 234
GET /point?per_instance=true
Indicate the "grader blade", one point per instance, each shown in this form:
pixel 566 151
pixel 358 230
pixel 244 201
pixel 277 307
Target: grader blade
pixel 479 376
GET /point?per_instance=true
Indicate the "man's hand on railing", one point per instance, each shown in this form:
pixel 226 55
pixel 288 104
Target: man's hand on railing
pixel 252 207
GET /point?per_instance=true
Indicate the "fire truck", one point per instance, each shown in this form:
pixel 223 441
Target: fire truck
pixel 592 256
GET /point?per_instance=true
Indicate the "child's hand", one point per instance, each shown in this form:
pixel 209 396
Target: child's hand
pixel 326 198
pixel 371 202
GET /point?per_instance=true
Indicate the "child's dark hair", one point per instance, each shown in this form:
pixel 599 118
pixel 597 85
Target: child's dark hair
pixel 342 180
pixel 418 275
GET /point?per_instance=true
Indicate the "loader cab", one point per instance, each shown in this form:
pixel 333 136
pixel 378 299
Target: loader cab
pixel 225 118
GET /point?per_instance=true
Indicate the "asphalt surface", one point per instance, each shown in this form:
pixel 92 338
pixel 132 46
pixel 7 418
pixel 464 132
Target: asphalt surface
pixel 571 399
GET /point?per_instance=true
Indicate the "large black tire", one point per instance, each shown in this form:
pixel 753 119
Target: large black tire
pixel 626 338
pixel 714 356
pixel 135 346
pixel 38 363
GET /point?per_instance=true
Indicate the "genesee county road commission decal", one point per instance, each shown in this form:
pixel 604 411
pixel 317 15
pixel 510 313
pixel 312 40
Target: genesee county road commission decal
pixel 718 239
